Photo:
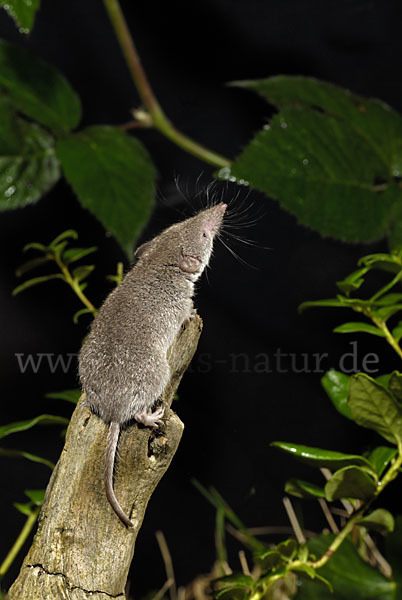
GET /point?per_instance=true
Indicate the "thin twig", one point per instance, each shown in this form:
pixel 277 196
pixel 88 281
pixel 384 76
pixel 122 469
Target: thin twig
pixel 167 559
pixel 243 562
pixel 293 520
pixel 331 522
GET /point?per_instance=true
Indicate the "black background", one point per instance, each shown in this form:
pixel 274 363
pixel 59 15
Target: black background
pixel 231 412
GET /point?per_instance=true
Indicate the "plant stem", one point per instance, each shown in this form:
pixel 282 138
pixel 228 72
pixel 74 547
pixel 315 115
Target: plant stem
pixel 383 327
pixel 19 542
pixel 159 119
pixel 75 286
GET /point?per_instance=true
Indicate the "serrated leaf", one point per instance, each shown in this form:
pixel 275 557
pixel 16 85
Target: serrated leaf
pixel 113 177
pixel 395 385
pixel 336 384
pixel 350 576
pixel 18 426
pixel 37 89
pixel 350 482
pixel 30 172
pixel 24 508
pixel 380 457
pixel 379 520
pixel 36 496
pixel 27 455
pixel 72 395
pixel 73 254
pixel 34 281
pixel 318 457
pixel 358 327
pixel 320 170
pixel 374 407
pixel 22 11
pixel 303 489
pixel 371 119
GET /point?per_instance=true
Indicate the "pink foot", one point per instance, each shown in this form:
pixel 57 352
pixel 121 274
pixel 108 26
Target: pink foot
pixel 151 419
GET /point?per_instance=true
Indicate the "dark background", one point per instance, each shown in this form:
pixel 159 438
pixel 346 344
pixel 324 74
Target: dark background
pixel 231 412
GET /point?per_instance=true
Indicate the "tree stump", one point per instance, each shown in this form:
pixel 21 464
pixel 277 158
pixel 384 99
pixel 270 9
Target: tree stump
pixel 81 550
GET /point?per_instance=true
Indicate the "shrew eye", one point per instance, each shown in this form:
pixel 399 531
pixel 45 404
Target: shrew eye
pixel 204 234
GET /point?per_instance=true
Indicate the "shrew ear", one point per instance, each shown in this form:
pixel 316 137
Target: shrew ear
pixel 141 250
pixel 189 263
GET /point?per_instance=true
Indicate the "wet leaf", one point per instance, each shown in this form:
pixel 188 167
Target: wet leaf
pixel 350 482
pixel 22 11
pixel 29 172
pixel 380 457
pixel 113 177
pixel 336 384
pixel 318 457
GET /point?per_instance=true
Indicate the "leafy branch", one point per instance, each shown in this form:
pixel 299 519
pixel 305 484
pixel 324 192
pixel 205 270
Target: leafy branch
pixel 379 308
pixel 63 256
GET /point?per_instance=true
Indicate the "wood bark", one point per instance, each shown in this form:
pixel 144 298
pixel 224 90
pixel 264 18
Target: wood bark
pixel 81 549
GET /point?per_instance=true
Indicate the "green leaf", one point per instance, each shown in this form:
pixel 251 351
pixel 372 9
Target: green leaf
pixel 379 520
pixel 395 385
pixel 359 327
pixel 34 281
pixel 350 482
pixel 312 573
pixel 380 457
pixel 384 262
pixel 372 120
pixel 31 264
pixel 11 140
pixel 353 281
pixel 385 312
pixel 393 544
pixel 288 549
pixel 37 89
pixel 31 171
pixel 330 302
pixel 62 237
pixel 22 11
pixel 28 455
pixel 73 254
pixel 239 579
pixel 397 332
pixel 269 559
pixel 25 509
pixel 36 496
pixel 113 176
pixel 350 576
pixel 72 395
pixel 374 407
pixel 320 170
pixel 318 457
pixel 336 384
pixel 82 272
pixel 18 426
pixel 388 299
pixel 303 489
pixel 79 313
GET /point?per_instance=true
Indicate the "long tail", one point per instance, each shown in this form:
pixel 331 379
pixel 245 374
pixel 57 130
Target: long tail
pixel 110 455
